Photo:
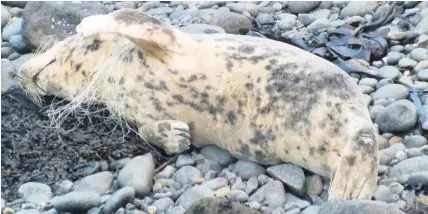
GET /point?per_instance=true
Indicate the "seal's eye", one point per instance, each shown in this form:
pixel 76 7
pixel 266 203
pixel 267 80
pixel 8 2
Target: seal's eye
pixel 35 77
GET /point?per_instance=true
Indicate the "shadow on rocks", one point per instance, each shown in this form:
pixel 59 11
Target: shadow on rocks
pixel 32 152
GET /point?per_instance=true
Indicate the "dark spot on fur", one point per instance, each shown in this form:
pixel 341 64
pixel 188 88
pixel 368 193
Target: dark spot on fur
pixel 169 32
pixel 231 48
pixel 191 125
pixel 244 150
pixel 249 86
pixel 178 97
pixel 78 66
pixel 298 147
pixel 261 138
pixel 259 79
pixel 159 87
pixel 231 116
pixel 248 49
pixel 110 80
pixel 328 104
pixel 96 44
pixel 273 61
pixel 84 73
pixel 322 149
pixel 229 65
pixel 351 161
pixel 312 151
pixel 192 78
pixel 122 81
pixel 69 54
pixel 203 77
pixel 139 78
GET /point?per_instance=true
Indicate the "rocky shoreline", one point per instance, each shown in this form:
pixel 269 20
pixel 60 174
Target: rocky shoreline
pixel 83 171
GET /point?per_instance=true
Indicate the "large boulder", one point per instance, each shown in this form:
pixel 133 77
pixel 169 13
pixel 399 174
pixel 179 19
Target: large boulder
pixel 42 19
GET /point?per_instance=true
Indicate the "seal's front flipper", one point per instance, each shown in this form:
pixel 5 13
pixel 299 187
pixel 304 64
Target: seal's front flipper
pixel 354 175
pixel 148 33
pixel 172 136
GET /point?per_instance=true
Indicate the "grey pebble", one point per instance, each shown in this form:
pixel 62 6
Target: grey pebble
pixel 306 19
pixel 241 7
pixel 293 200
pixel 415 141
pixel 395 91
pixel 407 63
pixel 216 183
pixel 99 183
pixel 194 194
pixel 287 21
pixel 19 44
pixel 247 169
pixel 176 210
pixel 75 202
pixel 252 184
pixel 293 211
pixel 184 160
pixel 264 18
pixel 311 210
pixel 368 81
pixel 35 192
pixel 12 28
pixel 13 56
pixel 62 187
pixel 358 206
pixel 422 75
pixel 318 25
pixel 418 178
pixel 400 156
pixel 30 211
pixel 118 199
pixel 382 169
pixel 297 7
pixel 210 175
pixel 290 174
pixel 271 194
pixel 254 205
pixel 384 82
pixel 187 175
pixel 383 193
pixel 365 89
pixel 389 72
pixel 419 54
pixel 408 166
pixel 396 188
pixel 397 48
pixel 209 165
pixel 263 179
pixel 376 110
pixel 313 185
pixel 6 51
pixel 398 117
pixel 5 16
pixel 166 173
pixel 237 195
pixel 358 9
pixel 163 204
pixel 142 179
pixel 278 210
pixel 105 198
pixel 238 185
pixel 337 23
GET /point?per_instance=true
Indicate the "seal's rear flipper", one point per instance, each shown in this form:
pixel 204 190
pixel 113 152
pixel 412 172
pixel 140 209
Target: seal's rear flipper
pixel 150 34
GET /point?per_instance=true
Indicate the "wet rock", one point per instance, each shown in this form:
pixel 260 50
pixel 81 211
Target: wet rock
pixel 390 72
pixel 296 7
pixel 192 195
pixel 290 174
pixel 415 141
pixel 358 206
pixel 306 19
pixel 237 195
pixel 318 25
pixel 35 192
pixel 422 75
pixel 397 117
pixel 314 185
pixel 264 18
pixel 14 27
pixel 252 184
pixel 287 21
pixel 118 199
pixel 184 160
pixel 419 54
pixel 407 63
pixel 293 201
pixel 358 8
pixel 166 173
pixel 99 183
pixel 241 7
pixel 5 16
pixel 43 19
pixel 271 194
pixel 247 169
pixel 418 178
pixel 142 179
pixel 76 202
pixel 231 22
pixel 408 166
pixel 216 183
pixel 62 187
pixel 395 91
pixel 422 27
pixel 187 175
pixel 162 205
pixel 219 206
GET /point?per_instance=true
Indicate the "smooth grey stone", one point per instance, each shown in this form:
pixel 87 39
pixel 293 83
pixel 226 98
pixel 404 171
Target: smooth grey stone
pixel 118 199
pixel 76 202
